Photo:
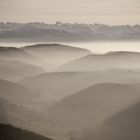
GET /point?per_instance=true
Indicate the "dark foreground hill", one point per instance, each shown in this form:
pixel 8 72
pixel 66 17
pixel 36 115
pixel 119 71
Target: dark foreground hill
pixel 22 117
pixel 123 126
pixel 8 132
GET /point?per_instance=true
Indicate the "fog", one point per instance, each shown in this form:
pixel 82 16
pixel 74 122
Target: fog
pixel 70 91
pixel 69 69
pixel 95 47
pixel 103 47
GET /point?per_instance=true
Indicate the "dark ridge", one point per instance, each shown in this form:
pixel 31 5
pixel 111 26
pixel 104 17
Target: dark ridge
pixel 53 45
pixel 14 50
pixel 9 132
pixel 46 45
pixel 121 52
pixel 9 48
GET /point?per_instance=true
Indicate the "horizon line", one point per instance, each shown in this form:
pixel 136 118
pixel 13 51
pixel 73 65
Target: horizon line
pixel 60 22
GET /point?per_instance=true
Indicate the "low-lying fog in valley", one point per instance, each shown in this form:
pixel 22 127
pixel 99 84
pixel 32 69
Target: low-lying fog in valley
pixel 95 47
pixel 70 91
pixel 69 69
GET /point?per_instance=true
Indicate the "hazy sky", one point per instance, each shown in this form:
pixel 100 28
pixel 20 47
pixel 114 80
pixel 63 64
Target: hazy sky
pixel 87 11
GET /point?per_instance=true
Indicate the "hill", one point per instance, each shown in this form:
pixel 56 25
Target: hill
pixel 8 132
pixel 57 85
pixel 124 125
pixel 111 60
pixel 13 53
pixel 56 54
pixel 16 70
pixel 90 107
pixel 23 117
pixel 16 114
pixel 17 54
pixel 18 94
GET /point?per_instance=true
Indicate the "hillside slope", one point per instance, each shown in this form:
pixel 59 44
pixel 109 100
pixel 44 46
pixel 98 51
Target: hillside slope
pixel 91 107
pixel 125 125
pixel 16 70
pixel 111 60
pixel 58 85
pixel 56 54
pixel 18 94
pixel 17 54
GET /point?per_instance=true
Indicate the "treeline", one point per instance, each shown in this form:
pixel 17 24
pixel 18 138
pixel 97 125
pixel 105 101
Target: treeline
pixel 67 32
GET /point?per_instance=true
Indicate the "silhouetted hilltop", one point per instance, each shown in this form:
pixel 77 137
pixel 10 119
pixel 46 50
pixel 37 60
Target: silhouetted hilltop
pixel 59 47
pixel 122 53
pixel 125 125
pixel 18 54
pixel 13 52
pixel 111 60
pixel 67 32
pixel 9 132
pixel 56 54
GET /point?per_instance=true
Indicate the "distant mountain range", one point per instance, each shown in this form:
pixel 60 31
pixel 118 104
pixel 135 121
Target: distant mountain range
pixel 66 32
